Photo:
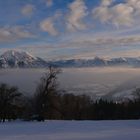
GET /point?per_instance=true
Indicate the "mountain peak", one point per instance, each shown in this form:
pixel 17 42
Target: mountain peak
pixel 14 58
pixel 14 54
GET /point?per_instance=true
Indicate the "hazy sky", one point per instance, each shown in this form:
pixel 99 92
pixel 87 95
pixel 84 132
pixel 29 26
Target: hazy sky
pixel 61 29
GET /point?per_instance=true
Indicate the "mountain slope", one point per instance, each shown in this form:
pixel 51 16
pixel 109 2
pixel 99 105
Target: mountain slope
pixel 20 59
pixel 98 62
pixel 12 58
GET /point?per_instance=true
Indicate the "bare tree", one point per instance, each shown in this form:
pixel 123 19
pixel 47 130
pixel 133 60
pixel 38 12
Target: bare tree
pixel 8 102
pixel 46 96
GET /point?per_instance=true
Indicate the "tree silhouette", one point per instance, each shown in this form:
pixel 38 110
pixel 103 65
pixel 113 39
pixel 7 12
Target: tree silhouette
pixel 9 96
pixel 46 97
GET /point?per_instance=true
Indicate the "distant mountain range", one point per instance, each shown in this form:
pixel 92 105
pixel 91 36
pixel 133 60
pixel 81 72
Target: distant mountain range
pixel 99 62
pixel 19 59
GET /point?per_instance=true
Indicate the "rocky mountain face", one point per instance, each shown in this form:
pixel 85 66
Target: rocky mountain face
pixel 14 59
pixel 99 62
pixel 20 59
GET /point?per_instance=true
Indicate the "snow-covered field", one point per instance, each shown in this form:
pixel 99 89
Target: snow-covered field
pixel 71 130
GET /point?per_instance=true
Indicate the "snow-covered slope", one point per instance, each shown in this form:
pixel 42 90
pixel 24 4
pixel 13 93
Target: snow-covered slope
pixel 22 59
pixel 13 58
pixel 98 62
pixel 71 130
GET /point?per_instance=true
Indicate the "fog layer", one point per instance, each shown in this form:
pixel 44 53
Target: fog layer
pixel 91 81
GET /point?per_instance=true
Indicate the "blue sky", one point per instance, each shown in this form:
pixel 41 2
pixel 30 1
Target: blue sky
pixel 63 29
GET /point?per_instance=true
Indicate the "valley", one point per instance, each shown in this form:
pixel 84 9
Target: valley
pixel 95 82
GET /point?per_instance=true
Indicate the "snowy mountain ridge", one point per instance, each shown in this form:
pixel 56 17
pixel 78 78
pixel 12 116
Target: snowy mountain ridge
pixel 99 62
pixel 12 59
pixel 22 59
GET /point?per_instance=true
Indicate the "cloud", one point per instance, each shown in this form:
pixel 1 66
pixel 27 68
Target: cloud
pixel 106 2
pixel 135 4
pixel 110 41
pixel 49 3
pixel 10 34
pixel 124 15
pixel 28 10
pixel 120 14
pixel 47 25
pixel 87 48
pixel 78 11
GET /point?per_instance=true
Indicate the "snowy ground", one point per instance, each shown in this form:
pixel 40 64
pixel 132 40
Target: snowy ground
pixel 71 130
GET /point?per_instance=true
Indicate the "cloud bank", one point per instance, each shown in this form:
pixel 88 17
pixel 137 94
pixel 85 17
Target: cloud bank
pixel 78 11
pixel 28 10
pixel 120 14
pixel 14 33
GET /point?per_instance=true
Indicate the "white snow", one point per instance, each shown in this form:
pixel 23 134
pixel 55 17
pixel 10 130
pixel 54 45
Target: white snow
pixel 71 130
pixel 18 56
pixel 13 58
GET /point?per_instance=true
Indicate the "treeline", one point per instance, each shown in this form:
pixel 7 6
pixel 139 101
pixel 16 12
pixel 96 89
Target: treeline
pixel 50 103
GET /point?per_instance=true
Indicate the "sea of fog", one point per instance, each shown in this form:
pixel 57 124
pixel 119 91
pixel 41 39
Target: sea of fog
pixel 91 81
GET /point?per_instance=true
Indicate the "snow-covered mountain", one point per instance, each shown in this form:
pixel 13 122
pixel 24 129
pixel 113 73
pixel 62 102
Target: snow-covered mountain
pixel 98 62
pixel 20 59
pixel 12 59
